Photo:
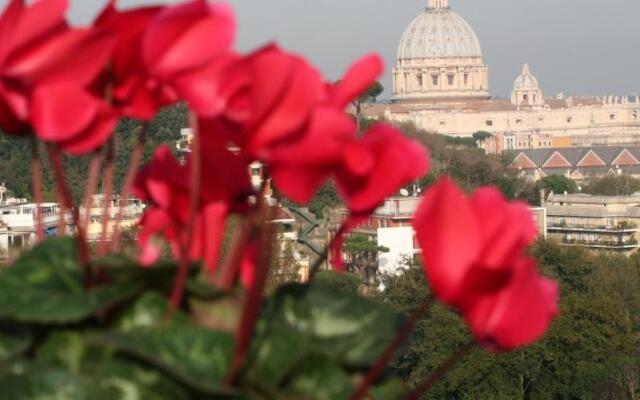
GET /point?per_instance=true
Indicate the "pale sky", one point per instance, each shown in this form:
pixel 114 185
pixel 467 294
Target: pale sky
pixel 572 46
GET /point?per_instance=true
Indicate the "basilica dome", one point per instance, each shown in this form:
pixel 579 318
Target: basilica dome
pixel 439 32
pixel 439 59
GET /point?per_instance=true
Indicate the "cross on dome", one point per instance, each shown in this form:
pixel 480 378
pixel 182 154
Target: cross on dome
pixel 438 4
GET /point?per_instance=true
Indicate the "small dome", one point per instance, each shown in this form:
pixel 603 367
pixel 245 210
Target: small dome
pixel 438 32
pixel 526 80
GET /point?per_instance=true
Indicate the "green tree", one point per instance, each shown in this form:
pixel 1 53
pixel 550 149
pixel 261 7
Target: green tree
pixel 481 136
pixel 558 184
pixel 612 185
pixel 590 351
pixel 369 96
pixel 344 281
pixel 362 257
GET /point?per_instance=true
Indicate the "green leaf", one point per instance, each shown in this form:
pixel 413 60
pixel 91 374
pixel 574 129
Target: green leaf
pixel 390 389
pixel 27 381
pixel 13 342
pixel 45 286
pixel 300 321
pixel 149 310
pixel 318 378
pixel 123 380
pixel 114 380
pixel 194 356
pixel 65 349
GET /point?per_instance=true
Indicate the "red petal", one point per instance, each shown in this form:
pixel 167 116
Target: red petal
pixel 322 143
pixel 60 112
pixel 153 222
pixel 38 21
pixel 357 80
pixel 293 107
pixel 76 56
pixel 448 233
pixel 95 135
pixel 299 184
pixel 517 315
pixel 8 23
pixel 187 36
pixel 214 217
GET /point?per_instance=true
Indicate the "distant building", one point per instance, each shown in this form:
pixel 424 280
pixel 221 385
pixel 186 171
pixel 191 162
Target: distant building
pixel 607 223
pixel 131 214
pixel 576 163
pixel 441 84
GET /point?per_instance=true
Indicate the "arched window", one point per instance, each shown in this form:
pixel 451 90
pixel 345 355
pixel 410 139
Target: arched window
pixel 525 98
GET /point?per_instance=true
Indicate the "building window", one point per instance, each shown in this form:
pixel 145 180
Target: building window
pixel 450 78
pixel 569 119
pixel 518 121
pixel 443 123
pixel 634 116
pixel 525 98
pixel 489 122
pixel 612 117
pixel 419 80
pixel 466 79
pixel 540 119
pixel 434 78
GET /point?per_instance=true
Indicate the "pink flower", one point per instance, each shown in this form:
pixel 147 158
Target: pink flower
pixel 45 70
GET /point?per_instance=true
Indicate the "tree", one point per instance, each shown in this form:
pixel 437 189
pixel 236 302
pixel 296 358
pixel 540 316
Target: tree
pixel 590 351
pixel 557 184
pixel 344 281
pixel 612 185
pixel 369 96
pixel 481 136
pixel 362 257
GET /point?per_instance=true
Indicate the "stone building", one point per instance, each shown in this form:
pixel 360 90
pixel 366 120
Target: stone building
pixel 441 84
pixel 603 223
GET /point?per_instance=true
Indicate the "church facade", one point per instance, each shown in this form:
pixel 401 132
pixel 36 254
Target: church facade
pixel 441 84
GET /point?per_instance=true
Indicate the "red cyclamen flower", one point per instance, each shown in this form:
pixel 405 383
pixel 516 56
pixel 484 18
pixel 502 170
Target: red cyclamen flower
pixel 375 167
pixel 167 54
pixel 474 259
pixel 166 185
pixel 45 68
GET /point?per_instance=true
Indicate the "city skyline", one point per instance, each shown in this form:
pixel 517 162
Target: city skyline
pixel 574 47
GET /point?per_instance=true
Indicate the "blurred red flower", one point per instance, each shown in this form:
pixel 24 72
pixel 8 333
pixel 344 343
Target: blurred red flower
pixel 45 68
pixel 474 258
pixel 165 184
pixel 167 54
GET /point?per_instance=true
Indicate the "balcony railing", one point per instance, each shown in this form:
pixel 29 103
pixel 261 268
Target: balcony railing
pixel 620 228
pixel 601 244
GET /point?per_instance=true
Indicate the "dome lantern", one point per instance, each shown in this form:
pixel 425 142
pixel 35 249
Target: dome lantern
pixel 526 90
pixel 438 4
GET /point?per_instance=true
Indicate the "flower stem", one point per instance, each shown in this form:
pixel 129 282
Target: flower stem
pixel 196 189
pixel 92 184
pixel 253 304
pixel 67 201
pixel 107 195
pixel 400 337
pixel 36 174
pixel 439 372
pixel 134 164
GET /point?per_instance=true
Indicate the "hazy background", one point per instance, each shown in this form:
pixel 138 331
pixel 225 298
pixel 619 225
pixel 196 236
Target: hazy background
pixel 572 46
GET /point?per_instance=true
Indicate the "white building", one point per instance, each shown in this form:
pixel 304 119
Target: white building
pixel 441 84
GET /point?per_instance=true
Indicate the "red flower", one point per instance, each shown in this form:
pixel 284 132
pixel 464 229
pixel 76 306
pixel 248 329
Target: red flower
pixel 518 314
pixel 166 185
pixel 168 54
pixel 469 246
pixel 357 80
pixel 374 168
pixel 267 97
pixel 43 61
pixel 378 166
pixel 474 258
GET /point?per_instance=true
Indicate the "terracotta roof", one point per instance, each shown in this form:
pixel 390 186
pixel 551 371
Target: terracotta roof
pixel 560 160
